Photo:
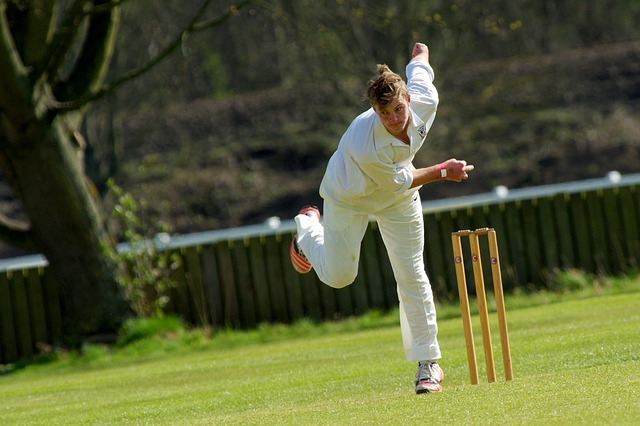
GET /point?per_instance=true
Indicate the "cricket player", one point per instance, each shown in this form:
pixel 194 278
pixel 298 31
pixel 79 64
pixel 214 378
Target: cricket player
pixel 371 175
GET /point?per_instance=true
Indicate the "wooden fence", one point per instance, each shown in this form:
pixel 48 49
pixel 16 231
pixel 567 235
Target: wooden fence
pixel 243 277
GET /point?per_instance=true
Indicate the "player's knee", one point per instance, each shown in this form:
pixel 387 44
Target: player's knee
pixel 340 283
pixel 342 279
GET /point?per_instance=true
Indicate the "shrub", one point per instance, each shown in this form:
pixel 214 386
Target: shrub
pixel 145 268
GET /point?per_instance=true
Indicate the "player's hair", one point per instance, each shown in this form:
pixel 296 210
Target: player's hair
pixel 386 87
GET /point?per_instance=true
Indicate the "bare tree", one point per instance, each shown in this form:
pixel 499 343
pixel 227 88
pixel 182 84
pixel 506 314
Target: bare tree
pixel 54 56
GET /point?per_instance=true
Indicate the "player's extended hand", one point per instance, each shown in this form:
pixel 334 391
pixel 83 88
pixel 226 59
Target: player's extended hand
pixel 458 170
pixel 420 52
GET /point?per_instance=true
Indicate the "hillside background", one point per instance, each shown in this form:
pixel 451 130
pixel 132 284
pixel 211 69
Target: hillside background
pixel 238 125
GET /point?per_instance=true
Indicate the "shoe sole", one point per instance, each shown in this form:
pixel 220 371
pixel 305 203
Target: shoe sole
pixel 437 389
pixel 310 209
pixel 300 264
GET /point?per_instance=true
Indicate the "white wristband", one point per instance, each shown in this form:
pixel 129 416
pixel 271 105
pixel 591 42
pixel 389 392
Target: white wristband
pixel 443 171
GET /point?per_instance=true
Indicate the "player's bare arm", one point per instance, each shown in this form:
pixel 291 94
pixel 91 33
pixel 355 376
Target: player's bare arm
pixel 452 169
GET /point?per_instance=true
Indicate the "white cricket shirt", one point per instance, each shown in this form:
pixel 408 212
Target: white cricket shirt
pixel 370 165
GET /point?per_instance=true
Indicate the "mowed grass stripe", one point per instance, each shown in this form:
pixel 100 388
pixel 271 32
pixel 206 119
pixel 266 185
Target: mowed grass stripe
pixel 575 362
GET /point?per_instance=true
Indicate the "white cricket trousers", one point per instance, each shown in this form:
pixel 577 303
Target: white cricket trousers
pixel 333 248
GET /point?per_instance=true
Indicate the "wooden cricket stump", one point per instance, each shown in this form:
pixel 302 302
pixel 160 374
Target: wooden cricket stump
pixel 482 302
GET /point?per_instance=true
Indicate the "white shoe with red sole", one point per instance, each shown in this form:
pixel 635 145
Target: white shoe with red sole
pixel 428 377
pixel 298 259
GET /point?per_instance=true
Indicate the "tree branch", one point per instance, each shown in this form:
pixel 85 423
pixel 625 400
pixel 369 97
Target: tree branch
pixel 95 56
pixel 14 96
pixel 100 8
pixel 233 10
pixel 62 40
pixel 17 234
pixel 39 22
pixel 194 26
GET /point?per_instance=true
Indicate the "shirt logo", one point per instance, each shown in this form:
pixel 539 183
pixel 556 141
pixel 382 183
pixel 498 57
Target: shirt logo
pixel 422 130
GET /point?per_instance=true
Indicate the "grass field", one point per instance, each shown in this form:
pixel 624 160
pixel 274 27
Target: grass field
pixel 575 362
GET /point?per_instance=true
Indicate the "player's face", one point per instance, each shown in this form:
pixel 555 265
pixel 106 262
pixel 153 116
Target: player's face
pixel 395 115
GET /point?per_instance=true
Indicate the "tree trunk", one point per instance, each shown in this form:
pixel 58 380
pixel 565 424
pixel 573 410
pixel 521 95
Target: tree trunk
pixel 42 164
pixel 46 61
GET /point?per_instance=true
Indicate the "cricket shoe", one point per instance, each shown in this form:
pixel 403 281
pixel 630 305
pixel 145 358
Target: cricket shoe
pixel 298 259
pixel 428 377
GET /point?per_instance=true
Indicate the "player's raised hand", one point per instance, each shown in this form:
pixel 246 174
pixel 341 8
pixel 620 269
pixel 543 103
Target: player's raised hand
pixel 420 52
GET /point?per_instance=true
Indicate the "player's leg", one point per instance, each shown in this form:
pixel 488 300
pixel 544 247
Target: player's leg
pixel 402 230
pixel 333 245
